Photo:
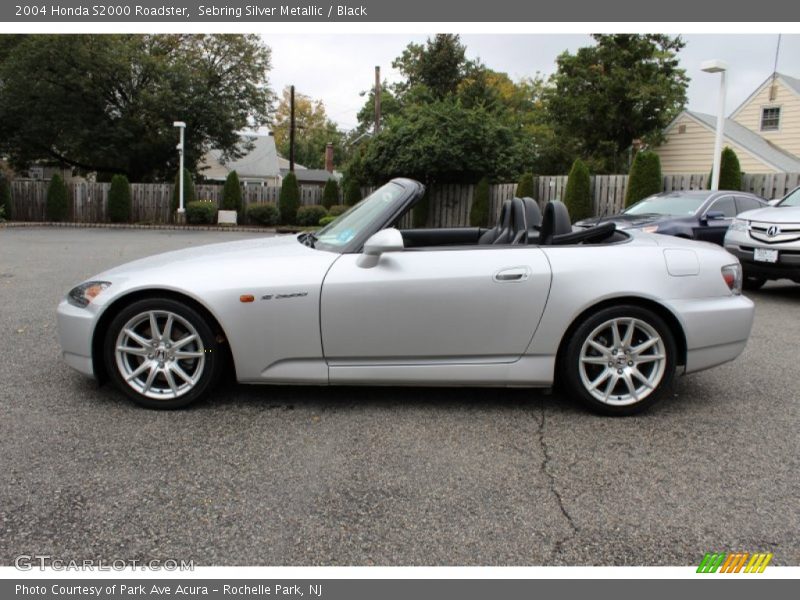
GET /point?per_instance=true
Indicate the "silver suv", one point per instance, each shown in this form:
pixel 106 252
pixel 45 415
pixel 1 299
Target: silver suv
pixel 767 242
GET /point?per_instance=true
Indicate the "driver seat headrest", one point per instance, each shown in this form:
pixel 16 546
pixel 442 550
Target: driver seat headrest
pixel 555 221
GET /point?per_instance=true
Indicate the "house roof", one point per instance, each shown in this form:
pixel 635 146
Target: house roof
pixel 791 82
pixel 752 142
pixel 283 164
pixel 259 163
pixel 312 175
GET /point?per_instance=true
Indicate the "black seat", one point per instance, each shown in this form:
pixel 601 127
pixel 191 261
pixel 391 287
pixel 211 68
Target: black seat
pixel 555 221
pixel 503 223
pixel 533 216
pixel 519 222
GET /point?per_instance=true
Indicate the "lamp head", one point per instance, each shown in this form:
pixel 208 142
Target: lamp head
pixel 179 124
pixel 714 66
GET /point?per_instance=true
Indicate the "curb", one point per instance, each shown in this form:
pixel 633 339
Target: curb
pixel 13 224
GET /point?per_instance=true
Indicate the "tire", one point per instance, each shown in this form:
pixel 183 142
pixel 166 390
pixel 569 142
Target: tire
pixel 600 368
pixel 753 282
pixel 172 369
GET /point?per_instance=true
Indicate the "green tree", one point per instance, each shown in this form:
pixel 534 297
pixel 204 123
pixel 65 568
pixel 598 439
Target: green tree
pixel 5 198
pixel 438 66
pixel 730 172
pixel 625 87
pixel 106 103
pixel 578 194
pixel 330 194
pixel 352 192
pixel 313 131
pixel 525 186
pixel 232 193
pixel 289 199
pixel 645 177
pixel 119 200
pixel 479 211
pixel 188 191
pixel 57 202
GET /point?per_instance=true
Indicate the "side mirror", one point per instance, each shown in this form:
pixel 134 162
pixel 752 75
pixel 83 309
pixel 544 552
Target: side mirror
pixel 715 215
pixel 386 240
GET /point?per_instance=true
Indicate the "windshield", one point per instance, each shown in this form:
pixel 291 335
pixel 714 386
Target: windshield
pixel 667 205
pixel 792 199
pixel 360 217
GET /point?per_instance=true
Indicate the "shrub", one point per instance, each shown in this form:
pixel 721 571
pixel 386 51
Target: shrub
pixel 119 200
pixel 5 198
pixel 310 215
pixel 730 173
pixel 645 177
pixel 188 191
pixel 232 193
pixel 578 195
pixel 330 195
pixel 289 199
pixel 57 199
pixel 337 209
pixel 326 220
pixel 201 212
pixel 352 193
pixel 2 214
pixel 525 186
pixel 263 214
pixel 479 212
pixel 419 214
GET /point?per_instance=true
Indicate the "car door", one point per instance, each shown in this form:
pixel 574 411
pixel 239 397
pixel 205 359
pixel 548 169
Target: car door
pixel 426 306
pixel 713 230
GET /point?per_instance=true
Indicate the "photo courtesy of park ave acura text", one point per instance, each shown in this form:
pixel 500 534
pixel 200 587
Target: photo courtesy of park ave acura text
pixel 384 299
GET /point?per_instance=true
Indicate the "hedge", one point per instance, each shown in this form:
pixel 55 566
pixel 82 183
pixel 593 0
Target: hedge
pixel 201 212
pixel 232 193
pixel 479 212
pixel 57 208
pixel 310 215
pixel 289 199
pixel 578 194
pixel 645 177
pixel 119 200
pixel 263 214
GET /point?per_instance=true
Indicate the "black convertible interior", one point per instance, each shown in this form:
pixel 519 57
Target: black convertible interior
pixel 520 223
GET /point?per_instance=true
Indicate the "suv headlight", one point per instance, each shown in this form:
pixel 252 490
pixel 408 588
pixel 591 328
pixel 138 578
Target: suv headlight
pixel 83 294
pixel 738 225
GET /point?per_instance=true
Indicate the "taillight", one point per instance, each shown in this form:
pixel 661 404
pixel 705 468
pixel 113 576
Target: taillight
pixel 732 274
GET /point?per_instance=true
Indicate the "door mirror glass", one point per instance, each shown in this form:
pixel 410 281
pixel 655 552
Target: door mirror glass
pixel 715 215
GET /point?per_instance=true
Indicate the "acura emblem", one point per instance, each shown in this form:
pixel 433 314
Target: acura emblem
pixel 773 230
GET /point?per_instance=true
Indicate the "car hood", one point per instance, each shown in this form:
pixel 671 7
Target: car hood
pixel 624 221
pixel 773 214
pixel 212 259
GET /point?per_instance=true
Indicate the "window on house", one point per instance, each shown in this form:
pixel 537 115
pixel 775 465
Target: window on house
pixel 770 118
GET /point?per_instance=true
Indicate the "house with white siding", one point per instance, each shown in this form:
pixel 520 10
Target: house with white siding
pixel 764 131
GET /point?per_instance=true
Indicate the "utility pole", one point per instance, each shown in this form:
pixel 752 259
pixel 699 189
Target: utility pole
pixel 377 100
pixel 291 129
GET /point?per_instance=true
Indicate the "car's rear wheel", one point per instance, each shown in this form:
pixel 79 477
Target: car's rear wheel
pixel 620 360
pixel 753 282
pixel 161 353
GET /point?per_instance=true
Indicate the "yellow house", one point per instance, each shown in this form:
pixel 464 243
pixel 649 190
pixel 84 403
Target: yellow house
pixel 764 132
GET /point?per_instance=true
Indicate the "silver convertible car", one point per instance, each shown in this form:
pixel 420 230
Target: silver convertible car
pixel 610 316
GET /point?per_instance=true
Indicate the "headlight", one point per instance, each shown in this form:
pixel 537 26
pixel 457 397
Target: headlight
pixel 650 228
pixel 83 294
pixel 738 225
pixel 732 274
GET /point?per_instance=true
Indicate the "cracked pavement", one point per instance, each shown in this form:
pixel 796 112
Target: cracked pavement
pixel 388 476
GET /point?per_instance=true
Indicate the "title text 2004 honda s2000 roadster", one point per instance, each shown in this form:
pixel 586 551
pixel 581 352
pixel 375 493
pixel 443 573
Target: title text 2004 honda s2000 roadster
pixel 611 316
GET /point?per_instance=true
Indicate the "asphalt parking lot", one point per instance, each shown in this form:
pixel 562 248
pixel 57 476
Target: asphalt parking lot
pixel 362 476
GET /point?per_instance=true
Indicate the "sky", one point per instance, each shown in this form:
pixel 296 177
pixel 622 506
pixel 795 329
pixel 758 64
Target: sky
pixel 336 68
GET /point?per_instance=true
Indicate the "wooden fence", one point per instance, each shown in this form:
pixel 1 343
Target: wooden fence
pixel 448 206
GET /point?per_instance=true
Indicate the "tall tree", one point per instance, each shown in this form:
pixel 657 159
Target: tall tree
pixel 625 87
pixel 106 103
pixel 439 66
pixel 313 131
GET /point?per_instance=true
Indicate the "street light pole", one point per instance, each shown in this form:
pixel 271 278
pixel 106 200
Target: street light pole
pixel 721 67
pixel 182 127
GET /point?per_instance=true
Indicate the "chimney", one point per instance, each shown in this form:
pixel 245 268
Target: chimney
pixel 329 157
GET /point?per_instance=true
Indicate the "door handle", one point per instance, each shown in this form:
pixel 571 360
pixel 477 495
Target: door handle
pixel 512 274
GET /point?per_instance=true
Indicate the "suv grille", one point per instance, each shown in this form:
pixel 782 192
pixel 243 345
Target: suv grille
pixel 774 233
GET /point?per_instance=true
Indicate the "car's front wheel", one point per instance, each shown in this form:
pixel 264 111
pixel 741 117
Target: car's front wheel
pixel 620 360
pixel 161 353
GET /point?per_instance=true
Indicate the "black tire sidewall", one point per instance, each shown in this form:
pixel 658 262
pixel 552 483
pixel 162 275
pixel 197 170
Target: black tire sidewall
pixel 571 374
pixel 213 358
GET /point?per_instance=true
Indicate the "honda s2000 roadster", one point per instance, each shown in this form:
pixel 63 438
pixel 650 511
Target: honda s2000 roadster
pixel 610 316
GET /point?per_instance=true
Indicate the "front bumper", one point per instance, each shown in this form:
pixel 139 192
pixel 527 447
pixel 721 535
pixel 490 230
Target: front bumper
pixel 716 329
pixel 743 247
pixel 75 329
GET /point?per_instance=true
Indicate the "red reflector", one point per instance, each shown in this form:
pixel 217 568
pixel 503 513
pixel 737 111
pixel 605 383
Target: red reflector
pixel 729 278
pixel 246 298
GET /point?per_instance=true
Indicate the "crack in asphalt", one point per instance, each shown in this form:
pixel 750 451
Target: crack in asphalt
pixel 551 484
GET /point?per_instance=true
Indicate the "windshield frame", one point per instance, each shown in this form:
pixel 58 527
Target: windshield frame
pixel 794 192
pixel 412 192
